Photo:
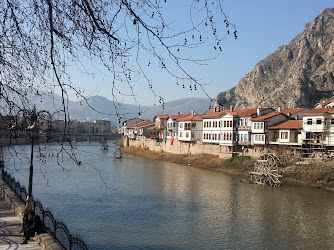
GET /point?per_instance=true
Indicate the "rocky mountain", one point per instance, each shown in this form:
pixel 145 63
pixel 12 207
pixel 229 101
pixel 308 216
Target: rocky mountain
pixel 295 75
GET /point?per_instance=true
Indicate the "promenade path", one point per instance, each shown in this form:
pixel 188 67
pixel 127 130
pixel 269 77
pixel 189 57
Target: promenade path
pixel 10 227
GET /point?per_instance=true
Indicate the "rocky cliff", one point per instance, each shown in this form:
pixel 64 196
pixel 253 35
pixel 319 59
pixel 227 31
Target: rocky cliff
pixel 295 75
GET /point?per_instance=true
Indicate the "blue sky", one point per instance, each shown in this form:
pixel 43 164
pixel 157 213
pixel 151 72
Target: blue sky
pixel 262 25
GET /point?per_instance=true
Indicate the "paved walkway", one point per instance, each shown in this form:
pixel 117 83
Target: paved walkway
pixel 10 227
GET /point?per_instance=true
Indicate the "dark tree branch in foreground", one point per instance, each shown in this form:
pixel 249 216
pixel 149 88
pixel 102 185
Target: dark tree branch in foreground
pixel 42 41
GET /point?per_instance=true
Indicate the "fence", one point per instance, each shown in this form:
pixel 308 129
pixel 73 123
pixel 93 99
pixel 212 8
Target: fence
pixel 57 229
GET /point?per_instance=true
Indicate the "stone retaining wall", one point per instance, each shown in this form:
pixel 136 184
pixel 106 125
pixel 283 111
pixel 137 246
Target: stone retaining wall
pixel 198 147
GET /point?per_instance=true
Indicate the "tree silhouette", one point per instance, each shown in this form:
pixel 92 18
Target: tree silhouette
pixel 42 40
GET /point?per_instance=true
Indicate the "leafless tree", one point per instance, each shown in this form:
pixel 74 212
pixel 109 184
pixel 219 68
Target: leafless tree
pixel 42 40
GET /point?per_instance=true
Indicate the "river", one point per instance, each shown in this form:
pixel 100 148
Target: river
pixel 136 203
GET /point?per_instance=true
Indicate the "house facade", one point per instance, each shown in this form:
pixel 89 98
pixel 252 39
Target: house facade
pixel 318 126
pixel 158 131
pixel 172 125
pixel 261 124
pixel 286 133
pixel 190 128
pixel 244 123
pixel 140 129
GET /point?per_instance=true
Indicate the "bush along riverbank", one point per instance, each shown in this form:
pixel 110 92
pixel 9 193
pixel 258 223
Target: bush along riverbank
pixel 315 173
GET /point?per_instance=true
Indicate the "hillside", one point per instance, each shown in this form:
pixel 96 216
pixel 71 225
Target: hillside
pixel 100 108
pixel 295 75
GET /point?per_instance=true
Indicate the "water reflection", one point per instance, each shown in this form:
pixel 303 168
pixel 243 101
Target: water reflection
pixel 151 204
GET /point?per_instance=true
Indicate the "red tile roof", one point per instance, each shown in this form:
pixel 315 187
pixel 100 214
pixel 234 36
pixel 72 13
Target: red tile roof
pixel 265 117
pixel 191 118
pixel 145 122
pixel 319 111
pixel 146 125
pixel 156 128
pixel 175 117
pixel 292 111
pixel 237 112
pixel 324 103
pixel 247 112
pixel 290 124
pixel 215 114
pixel 161 116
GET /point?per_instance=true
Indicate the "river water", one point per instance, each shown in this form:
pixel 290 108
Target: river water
pixel 136 203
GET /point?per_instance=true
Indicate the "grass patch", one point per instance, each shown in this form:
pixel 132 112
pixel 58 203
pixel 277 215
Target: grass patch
pixel 316 173
pixel 241 162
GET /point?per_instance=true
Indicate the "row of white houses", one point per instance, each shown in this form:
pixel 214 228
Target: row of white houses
pixel 243 127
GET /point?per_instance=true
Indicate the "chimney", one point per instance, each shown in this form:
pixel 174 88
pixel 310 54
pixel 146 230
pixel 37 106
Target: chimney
pixel 192 112
pixel 231 108
pixel 259 111
pixel 279 109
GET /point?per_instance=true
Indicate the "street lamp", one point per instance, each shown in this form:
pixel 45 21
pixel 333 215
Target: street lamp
pixel 32 117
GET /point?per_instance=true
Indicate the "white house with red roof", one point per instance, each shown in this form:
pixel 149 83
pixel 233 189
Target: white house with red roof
pixel 261 124
pixel 212 127
pixel 325 104
pixel 190 128
pixel 172 125
pixel 318 126
pixel 158 131
pixel 129 123
pixel 286 133
pixel 244 123
pixel 230 127
pixel 296 113
pixel 140 129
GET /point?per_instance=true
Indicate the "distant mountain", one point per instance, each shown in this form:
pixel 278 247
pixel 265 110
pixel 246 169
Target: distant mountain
pixel 198 105
pixel 295 75
pixel 100 108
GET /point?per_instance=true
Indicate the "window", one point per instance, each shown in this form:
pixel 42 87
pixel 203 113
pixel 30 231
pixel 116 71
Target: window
pixel 193 125
pixel 187 134
pixel 220 124
pixel 276 135
pixel 192 135
pixel 332 121
pixel 224 124
pixel 181 134
pixel 284 135
pixel 209 124
pixel 181 125
pixel 319 121
pixel 309 121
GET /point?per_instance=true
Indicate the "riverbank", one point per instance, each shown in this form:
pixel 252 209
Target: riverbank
pixel 316 173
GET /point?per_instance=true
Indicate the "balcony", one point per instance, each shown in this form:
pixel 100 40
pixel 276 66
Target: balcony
pixel 247 128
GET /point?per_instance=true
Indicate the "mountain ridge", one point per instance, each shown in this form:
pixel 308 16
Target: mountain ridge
pixel 298 74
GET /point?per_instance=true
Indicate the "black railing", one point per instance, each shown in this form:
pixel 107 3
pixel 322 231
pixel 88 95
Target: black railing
pixel 57 229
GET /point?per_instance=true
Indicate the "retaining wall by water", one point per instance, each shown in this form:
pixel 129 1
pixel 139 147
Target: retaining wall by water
pixel 180 147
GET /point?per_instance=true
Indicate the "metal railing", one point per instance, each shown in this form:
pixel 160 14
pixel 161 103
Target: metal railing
pixel 57 229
